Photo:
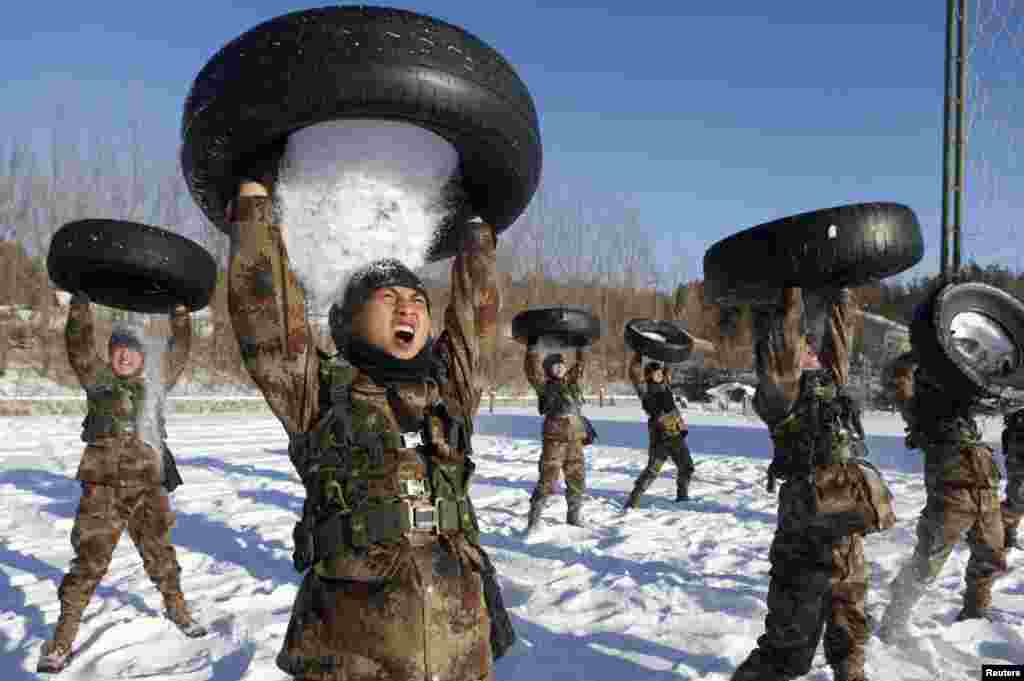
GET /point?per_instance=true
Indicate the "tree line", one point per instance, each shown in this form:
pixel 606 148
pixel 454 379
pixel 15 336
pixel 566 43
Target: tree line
pixel 567 248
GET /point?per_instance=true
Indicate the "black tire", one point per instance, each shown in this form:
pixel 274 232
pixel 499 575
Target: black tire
pixel 870 241
pixel 676 346
pixel 131 266
pixel 572 325
pixel 931 340
pixel 332 63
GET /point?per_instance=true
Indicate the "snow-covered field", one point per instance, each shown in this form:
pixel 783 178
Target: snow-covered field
pixel 669 591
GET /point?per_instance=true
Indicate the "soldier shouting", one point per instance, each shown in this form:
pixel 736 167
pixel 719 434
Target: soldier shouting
pixel 399 587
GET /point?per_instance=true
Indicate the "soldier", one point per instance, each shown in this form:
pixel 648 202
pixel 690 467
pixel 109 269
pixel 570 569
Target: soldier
pixel 828 499
pixel 962 495
pixel 565 430
pixel 665 425
pixel 399 587
pixel 123 471
pixel 1013 449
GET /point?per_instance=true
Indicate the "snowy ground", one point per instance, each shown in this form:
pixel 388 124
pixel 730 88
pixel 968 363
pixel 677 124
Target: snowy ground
pixel 671 591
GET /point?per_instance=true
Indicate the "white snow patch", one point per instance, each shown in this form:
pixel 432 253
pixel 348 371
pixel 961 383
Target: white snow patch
pixel 354 191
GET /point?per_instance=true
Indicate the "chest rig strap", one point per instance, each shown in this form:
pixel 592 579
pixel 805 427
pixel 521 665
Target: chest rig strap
pixel 360 480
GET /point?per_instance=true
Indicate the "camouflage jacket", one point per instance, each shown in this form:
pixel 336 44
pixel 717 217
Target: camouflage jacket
pixel 124 432
pixel 662 423
pixel 267 308
pixel 559 400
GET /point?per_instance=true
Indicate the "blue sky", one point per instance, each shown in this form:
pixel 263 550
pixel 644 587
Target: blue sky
pixel 710 117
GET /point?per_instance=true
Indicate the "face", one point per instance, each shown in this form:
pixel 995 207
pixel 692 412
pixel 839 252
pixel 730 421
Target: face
pixel 125 361
pixel 658 376
pixel 396 320
pixel 809 358
pixel 558 370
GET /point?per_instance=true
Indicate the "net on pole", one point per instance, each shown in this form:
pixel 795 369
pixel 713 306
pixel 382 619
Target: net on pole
pixel 993 201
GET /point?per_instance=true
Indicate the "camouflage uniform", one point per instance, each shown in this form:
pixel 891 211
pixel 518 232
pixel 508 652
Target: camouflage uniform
pixel 564 434
pixel 829 499
pixel 1013 449
pixel 383 600
pixel 667 432
pixel 962 486
pixel 122 475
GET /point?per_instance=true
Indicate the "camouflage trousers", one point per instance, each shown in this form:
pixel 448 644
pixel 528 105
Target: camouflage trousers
pixel 104 512
pixel 674 448
pixel 561 458
pixel 428 620
pixel 818 586
pixel 949 514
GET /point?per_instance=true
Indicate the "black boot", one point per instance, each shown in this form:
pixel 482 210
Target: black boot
pixel 572 516
pixel 533 520
pixel 683 489
pixel 634 499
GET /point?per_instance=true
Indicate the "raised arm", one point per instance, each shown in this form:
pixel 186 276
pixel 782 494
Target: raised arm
pixel 80 340
pixel 472 314
pixel 579 370
pixel 636 374
pixel 181 344
pixel 268 315
pixel 533 367
pixel 778 343
pixel 839 328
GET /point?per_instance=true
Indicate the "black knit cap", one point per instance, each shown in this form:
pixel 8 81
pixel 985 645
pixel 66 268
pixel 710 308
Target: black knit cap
pixel 651 368
pixel 551 360
pixel 126 336
pixel 362 284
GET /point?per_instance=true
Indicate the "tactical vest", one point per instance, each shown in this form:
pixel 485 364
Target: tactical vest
pixel 116 407
pixel 658 401
pixel 823 427
pixel 364 486
pixel 560 398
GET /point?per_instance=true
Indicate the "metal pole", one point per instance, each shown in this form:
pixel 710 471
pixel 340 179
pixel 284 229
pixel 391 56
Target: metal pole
pixel 946 132
pixel 961 132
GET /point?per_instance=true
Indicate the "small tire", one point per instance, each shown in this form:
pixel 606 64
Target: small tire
pixel 574 326
pixel 676 344
pixel 836 247
pixel 332 63
pixel 131 266
pixel 932 341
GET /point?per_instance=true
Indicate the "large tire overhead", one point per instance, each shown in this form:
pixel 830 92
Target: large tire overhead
pixel 971 338
pixel 131 266
pixel 572 325
pixel 842 246
pixel 659 340
pixel 333 63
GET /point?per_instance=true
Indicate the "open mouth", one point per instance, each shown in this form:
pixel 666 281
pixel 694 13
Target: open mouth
pixel 404 334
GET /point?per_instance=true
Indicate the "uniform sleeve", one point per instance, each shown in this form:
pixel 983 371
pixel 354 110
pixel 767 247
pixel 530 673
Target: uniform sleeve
pixel 777 346
pixel 579 370
pixel 80 340
pixel 267 308
pixel 471 315
pixel 636 374
pixel 181 344
pixel 838 340
pixel 533 367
